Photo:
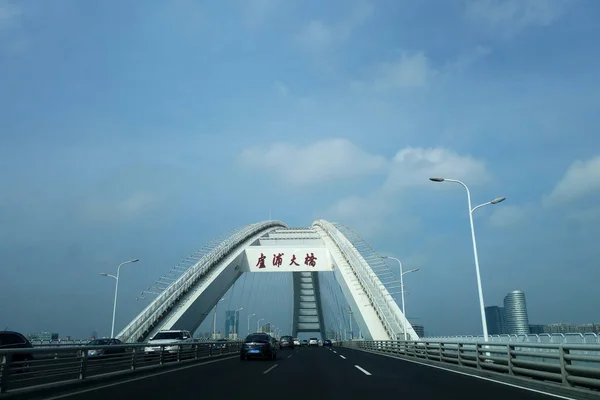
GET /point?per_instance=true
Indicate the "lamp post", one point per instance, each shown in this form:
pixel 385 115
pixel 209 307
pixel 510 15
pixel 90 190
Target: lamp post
pixel 235 319
pixel 215 319
pixel 475 255
pixel 402 273
pixel 258 324
pixel 116 278
pixel 250 316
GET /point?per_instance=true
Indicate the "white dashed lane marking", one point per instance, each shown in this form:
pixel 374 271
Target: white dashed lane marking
pixel 364 371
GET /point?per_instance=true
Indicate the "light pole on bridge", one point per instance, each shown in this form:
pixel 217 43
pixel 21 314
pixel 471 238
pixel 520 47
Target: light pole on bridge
pixel 235 321
pixel 471 210
pixel 258 324
pixel 215 319
pixel 250 316
pixel 402 290
pixel 116 278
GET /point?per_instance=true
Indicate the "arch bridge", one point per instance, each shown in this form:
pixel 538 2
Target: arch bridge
pixel 273 247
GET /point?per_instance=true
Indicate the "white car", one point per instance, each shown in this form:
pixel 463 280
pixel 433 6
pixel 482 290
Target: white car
pixel 168 341
pixel 297 342
pixel 313 341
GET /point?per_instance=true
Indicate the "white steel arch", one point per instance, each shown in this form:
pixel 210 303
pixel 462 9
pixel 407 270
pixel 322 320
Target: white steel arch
pixel 188 300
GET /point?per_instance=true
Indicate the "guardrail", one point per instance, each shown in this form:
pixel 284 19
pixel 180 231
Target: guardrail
pixel 39 367
pixel 570 365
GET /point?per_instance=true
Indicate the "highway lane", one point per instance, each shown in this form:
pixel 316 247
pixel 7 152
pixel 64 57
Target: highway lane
pixel 315 372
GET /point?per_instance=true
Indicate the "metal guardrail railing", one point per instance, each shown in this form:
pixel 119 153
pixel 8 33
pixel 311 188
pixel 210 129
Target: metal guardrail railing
pixel 569 365
pixel 557 338
pixel 39 367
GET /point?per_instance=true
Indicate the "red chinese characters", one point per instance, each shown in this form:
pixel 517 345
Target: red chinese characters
pixel 310 260
pixel 277 259
pixel 261 261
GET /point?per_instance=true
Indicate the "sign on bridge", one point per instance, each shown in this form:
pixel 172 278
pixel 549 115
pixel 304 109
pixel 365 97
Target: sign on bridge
pixel 287 259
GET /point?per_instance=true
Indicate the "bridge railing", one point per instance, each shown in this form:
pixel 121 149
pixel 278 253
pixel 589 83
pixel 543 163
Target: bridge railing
pixel 23 369
pixel 584 337
pixel 569 365
pixel 61 343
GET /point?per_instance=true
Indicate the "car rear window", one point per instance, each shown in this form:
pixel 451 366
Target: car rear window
pixel 257 338
pixel 99 342
pixel 286 338
pixel 169 335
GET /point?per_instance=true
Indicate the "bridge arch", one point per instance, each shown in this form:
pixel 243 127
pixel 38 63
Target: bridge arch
pixel 186 302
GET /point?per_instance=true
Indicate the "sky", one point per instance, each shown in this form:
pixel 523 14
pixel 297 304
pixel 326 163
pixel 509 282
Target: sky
pixel 130 131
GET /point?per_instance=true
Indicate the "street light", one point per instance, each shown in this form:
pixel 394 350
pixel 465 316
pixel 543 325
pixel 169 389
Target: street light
pixel 215 320
pixel 235 314
pixel 116 278
pixel 258 324
pixel 250 316
pixel 402 273
pixel 471 210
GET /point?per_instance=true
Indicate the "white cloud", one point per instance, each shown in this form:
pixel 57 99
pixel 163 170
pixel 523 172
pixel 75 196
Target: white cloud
pixel 411 167
pixel 408 71
pixel 411 70
pixel 9 14
pixel 282 89
pixel 318 35
pixel 509 17
pixel 128 208
pixel 414 166
pixel 506 216
pixel 581 179
pixel 589 215
pixel 323 161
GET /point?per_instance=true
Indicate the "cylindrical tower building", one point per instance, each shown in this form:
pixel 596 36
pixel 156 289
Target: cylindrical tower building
pixel 515 307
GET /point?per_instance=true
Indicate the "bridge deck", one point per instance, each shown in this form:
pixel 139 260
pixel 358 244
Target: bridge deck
pixel 336 373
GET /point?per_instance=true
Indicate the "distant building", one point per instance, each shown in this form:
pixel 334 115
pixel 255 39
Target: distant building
pixel 496 320
pixel 232 324
pixel 572 328
pixel 44 336
pixel 419 329
pixel 515 309
pixel 536 329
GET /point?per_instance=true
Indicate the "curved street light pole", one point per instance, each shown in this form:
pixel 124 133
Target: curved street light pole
pixel 402 291
pixel 235 321
pixel 250 316
pixel 475 255
pixel 258 324
pixel 215 319
pixel 116 278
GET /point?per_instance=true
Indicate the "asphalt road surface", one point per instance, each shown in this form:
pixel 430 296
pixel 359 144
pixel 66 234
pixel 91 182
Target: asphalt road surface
pixel 312 373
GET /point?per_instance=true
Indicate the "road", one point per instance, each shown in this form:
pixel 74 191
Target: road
pixel 312 372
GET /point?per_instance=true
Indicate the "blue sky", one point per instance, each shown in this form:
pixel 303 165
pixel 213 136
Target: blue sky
pixel 130 130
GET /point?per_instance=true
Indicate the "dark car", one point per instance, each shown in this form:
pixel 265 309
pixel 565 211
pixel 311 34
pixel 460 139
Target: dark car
pixel 258 345
pixel 102 352
pixel 286 342
pixel 14 340
pixel 327 343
